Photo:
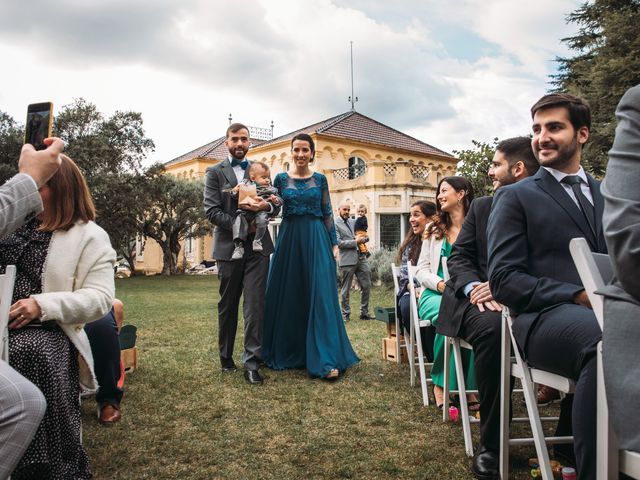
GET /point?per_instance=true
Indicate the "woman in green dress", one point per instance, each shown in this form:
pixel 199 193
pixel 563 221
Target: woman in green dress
pixel 453 200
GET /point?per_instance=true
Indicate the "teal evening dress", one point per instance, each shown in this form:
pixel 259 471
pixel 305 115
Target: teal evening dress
pixel 303 326
pixel 428 308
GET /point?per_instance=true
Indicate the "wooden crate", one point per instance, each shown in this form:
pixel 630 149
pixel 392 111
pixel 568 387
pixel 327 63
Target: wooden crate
pixel 389 351
pixel 391 330
pixel 129 359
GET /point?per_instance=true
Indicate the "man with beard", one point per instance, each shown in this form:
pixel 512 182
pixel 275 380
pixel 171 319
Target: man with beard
pixel 246 276
pixel 531 270
pixel 468 309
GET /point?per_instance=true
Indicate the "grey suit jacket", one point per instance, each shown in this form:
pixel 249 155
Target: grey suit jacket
pixel 19 198
pixel 220 208
pixel 346 243
pixel 621 220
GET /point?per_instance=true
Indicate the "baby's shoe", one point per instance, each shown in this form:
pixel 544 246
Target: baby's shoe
pixel 257 246
pixel 238 253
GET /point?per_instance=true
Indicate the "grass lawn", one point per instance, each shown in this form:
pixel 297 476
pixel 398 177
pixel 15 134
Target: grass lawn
pixel 183 419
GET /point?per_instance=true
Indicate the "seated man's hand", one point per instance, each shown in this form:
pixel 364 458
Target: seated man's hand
pixel 259 205
pixel 491 305
pixel 581 298
pixel 480 293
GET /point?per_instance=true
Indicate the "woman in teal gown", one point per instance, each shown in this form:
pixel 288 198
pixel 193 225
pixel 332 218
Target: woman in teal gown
pixel 453 200
pixel 303 327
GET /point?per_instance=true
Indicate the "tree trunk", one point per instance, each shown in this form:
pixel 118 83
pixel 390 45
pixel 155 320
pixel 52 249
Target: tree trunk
pixel 169 261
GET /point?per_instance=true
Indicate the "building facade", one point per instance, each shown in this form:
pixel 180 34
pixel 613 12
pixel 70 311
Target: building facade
pixel 365 162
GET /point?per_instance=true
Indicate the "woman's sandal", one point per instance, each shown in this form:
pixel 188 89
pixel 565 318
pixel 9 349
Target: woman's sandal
pixel 472 405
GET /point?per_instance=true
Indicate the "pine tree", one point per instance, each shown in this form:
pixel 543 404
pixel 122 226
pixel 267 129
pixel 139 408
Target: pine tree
pixel 606 64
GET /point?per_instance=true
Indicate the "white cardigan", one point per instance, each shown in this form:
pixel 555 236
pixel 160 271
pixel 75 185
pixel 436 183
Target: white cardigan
pixel 78 287
pixel 429 261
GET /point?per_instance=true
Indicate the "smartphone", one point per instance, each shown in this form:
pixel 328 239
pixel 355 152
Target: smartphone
pixel 38 126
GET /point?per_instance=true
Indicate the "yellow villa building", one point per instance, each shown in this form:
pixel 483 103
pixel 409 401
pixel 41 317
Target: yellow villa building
pixel 365 162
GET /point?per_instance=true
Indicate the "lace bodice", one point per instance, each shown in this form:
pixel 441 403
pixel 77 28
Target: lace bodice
pixel 307 196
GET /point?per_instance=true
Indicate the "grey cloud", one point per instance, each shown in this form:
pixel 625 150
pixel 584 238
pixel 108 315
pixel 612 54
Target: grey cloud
pixel 146 32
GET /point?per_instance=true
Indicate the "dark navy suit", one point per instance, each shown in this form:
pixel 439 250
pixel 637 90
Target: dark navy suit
pixel 532 272
pixel 458 317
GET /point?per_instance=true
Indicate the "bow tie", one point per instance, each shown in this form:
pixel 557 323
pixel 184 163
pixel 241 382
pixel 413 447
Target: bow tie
pixel 237 163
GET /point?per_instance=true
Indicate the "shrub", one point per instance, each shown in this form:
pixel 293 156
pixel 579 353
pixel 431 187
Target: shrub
pixel 380 262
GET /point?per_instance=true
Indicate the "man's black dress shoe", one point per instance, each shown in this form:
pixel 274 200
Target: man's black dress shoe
pixel 366 317
pixel 228 365
pixel 486 464
pixel 253 377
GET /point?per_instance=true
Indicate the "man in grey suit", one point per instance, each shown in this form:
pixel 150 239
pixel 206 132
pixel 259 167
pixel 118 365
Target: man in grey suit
pixel 352 262
pixel 246 276
pixel 22 405
pixel 621 220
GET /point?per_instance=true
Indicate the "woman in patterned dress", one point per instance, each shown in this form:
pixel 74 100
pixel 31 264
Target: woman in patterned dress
pixel 64 279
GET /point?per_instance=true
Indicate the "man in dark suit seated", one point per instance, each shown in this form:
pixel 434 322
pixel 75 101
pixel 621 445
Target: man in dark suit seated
pixel 468 309
pixel 531 270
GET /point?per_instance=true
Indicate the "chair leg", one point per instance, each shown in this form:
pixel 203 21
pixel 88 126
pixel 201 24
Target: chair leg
pixel 422 368
pixel 462 393
pixel 536 425
pixel 412 354
pixel 505 397
pixel 398 347
pixel 607 456
pixel 447 380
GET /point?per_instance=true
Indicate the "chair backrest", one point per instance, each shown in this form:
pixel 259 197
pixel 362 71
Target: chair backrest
pixel 395 272
pixel 595 272
pixel 411 271
pixel 6 293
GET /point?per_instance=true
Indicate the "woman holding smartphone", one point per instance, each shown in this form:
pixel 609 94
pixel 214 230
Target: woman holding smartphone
pixel 64 279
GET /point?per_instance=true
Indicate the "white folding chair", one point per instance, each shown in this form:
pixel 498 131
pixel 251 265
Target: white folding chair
pixel 517 367
pixel 595 271
pixel 457 344
pixel 6 293
pixel 415 339
pixel 395 272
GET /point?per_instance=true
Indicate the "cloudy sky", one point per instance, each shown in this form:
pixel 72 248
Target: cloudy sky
pixel 444 72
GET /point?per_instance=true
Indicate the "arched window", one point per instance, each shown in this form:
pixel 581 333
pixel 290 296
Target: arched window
pixel 357 167
pixel 285 167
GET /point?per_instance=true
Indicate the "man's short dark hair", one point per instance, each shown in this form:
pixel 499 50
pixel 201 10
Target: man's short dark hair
pixel 236 127
pixel 518 149
pixel 578 108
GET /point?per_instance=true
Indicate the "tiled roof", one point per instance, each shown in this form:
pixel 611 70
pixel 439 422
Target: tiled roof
pixel 355 126
pixel 215 150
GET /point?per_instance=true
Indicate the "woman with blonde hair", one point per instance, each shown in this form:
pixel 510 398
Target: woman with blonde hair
pixel 64 279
